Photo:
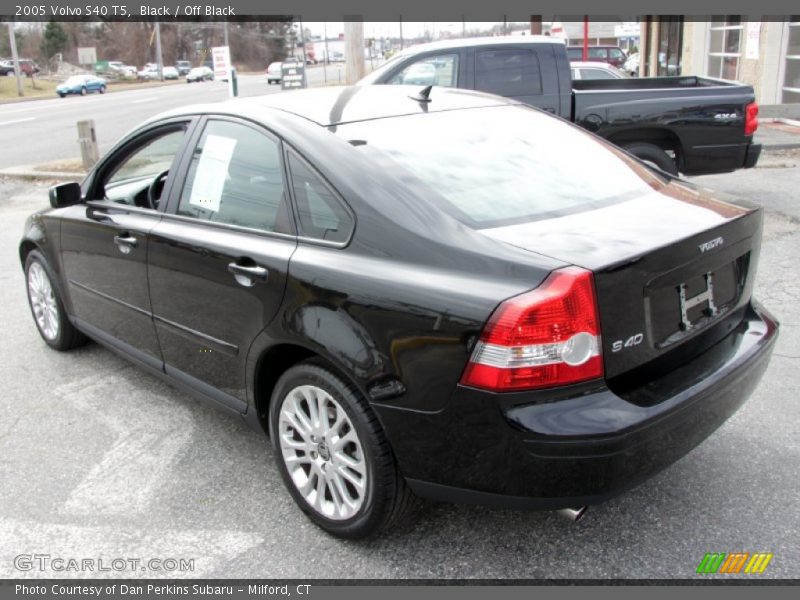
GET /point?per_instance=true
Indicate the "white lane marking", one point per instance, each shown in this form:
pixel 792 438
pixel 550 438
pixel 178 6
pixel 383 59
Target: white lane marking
pixel 211 549
pixel 149 437
pixel 16 121
pixel 143 100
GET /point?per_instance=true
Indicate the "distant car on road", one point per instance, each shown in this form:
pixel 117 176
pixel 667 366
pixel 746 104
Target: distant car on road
pixel 200 74
pixel 274 74
pixel 27 67
pixel 171 73
pixel 82 85
pixel 596 70
pixel 183 66
pixel 148 72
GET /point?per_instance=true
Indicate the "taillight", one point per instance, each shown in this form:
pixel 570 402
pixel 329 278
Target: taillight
pixel 750 118
pixel 547 337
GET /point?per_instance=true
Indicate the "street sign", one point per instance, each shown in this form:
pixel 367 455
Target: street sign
pixel 293 75
pixel 221 58
pixel 87 55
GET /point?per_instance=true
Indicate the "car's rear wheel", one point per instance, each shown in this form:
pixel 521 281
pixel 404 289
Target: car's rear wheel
pixel 650 153
pixel 62 95
pixel 48 310
pixel 102 89
pixel 333 455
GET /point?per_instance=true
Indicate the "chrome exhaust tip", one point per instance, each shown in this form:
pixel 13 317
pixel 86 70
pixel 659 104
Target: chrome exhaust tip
pixel 573 514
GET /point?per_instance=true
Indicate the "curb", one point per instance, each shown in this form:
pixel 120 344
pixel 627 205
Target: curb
pixel 33 174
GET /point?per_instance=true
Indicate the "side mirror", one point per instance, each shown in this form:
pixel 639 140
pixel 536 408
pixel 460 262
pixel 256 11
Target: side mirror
pixel 65 194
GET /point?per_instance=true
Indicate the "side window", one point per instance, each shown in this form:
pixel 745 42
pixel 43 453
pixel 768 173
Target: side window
pixel 596 74
pixel 508 72
pixel 441 70
pixel 598 53
pixel 236 178
pixel 128 182
pixel 320 212
pixel 616 53
pixel 575 53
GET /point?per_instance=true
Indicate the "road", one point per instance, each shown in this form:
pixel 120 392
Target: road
pixel 40 131
pixel 99 459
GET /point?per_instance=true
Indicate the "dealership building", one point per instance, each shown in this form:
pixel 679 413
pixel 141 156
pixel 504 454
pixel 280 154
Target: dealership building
pixel 764 54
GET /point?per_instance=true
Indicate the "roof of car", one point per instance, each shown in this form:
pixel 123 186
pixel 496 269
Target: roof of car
pixel 329 106
pixel 481 41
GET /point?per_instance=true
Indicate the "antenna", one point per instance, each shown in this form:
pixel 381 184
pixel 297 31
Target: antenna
pixel 423 95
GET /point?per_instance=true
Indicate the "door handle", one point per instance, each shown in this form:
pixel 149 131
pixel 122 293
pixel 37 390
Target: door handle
pixel 126 243
pixel 245 274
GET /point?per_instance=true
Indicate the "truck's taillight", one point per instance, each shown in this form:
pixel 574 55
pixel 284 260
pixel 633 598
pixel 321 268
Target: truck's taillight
pixel 547 337
pixel 750 118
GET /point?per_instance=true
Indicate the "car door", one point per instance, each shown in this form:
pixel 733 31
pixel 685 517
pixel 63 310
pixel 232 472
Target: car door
pixel 219 258
pixel 526 73
pixel 104 241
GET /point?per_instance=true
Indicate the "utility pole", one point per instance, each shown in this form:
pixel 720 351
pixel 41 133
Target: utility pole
pixel 159 58
pixel 325 64
pixel 225 31
pixel 401 32
pixel 303 42
pixel 12 40
pixel 354 50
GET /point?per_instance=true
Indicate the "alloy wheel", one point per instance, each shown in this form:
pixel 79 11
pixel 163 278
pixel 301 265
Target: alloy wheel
pixel 43 301
pixel 322 452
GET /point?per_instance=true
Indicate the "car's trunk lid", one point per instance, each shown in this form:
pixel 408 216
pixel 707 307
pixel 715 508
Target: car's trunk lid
pixel 669 267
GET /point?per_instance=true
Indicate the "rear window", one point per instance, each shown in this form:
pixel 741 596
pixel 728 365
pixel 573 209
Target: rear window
pixel 496 166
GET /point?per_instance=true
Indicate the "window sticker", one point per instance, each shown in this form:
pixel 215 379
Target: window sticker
pixel 212 171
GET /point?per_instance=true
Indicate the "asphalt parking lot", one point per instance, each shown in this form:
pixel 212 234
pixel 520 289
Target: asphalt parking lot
pixel 100 460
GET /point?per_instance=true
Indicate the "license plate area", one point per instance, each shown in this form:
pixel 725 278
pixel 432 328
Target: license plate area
pixel 678 309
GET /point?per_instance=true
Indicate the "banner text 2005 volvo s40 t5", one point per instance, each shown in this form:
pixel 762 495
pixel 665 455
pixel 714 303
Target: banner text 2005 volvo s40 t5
pixel 414 293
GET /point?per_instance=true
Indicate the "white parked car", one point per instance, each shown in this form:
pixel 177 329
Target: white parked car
pixel 274 74
pixel 595 70
pixel 148 72
pixel 200 74
pixel 171 73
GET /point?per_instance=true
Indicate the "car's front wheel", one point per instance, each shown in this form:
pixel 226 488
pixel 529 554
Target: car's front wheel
pixel 102 89
pixel 48 310
pixel 83 91
pixel 333 455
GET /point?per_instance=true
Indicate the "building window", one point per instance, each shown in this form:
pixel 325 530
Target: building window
pixel 791 79
pixel 725 47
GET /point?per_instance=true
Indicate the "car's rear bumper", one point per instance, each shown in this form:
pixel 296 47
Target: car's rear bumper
pixel 581 445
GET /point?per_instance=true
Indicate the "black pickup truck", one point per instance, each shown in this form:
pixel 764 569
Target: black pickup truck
pixel 687 124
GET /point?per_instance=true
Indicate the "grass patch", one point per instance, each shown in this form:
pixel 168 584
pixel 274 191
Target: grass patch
pixel 31 88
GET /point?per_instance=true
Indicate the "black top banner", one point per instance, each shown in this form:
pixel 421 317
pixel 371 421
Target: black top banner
pixel 369 10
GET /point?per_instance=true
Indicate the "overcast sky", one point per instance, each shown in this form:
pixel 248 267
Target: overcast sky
pixel 411 29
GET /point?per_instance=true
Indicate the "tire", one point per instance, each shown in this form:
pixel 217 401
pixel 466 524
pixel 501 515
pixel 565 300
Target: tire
pixel 43 298
pixel 63 95
pixel 10 73
pixel 83 91
pixel 335 456
pixel 102 89
pixel 653 154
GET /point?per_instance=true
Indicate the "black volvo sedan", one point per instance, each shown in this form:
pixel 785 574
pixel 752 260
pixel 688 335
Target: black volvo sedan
pixel 433 293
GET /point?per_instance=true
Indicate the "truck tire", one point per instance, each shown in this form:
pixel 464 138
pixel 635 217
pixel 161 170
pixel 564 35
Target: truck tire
pixel 654 155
